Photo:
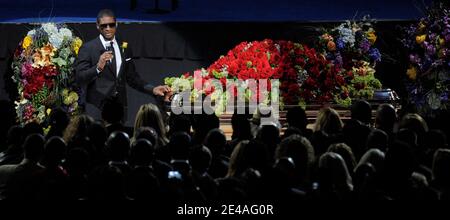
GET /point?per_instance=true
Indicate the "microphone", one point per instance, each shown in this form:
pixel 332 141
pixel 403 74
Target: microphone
pixel 109 47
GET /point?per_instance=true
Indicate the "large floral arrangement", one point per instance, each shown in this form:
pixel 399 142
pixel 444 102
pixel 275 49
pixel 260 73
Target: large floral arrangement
pixel 310 76
pixel 428 43
pixel 351 48
pixel 291 63
pixel 330 73
pixel 44 74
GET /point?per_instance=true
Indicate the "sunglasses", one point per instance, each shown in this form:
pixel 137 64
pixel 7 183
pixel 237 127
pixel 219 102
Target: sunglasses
pixel 110 25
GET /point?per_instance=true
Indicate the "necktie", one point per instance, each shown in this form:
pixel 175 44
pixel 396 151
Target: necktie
pixel 113 63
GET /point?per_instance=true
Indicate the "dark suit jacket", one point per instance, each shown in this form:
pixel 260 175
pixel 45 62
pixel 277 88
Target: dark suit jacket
pixel 107 84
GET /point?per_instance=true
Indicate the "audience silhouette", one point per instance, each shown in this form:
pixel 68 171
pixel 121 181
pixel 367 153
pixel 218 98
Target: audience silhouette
pixel 188 157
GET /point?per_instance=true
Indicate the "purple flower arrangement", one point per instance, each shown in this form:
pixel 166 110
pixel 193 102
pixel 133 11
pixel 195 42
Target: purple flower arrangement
pixel 428 44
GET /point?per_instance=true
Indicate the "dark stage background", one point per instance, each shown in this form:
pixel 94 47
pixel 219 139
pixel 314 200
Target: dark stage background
pixel 170 49
pixel 209 10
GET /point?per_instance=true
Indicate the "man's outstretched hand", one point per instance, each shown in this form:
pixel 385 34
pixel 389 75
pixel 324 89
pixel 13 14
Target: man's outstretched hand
pixel 161 90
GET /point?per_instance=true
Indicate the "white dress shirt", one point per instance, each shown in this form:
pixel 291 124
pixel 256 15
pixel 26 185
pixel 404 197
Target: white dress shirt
pixel 106 43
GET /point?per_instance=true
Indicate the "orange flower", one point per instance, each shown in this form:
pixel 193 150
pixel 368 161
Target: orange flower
pixel 331 46
pixel 48 50
pixel 46 54
pixel 43 57
pixel 37 59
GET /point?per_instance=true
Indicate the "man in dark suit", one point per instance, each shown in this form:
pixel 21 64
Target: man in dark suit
pixel 104 66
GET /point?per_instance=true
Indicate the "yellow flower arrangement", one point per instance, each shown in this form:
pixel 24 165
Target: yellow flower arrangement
pixel 70 98
pixel 65 92
pixel 27 41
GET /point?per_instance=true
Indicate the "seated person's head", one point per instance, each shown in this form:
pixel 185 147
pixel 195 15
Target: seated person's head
pixel 346 153
pixel 78 128
pixel 55 151
pixel 296 117
pixel 328 121
pixel 216 141
pixel 179 146
pixel 200 158
pixel 408 136
pixel 203 123
pixel 416 123
pixel 300 150
pixel 149 115
pixel 15 136
pixel 118 145
pixel 269 134
pixel 441 167
pixel 142 152
pixel 333 173
pixel 386 117
pixel 248 155
pixel 78 161
pixel 179 123
pixel 34 147
pixel 436 139
pixel 375 157
pixel 33 128
pixel 241 126
pixel 377 139
pixel 147 133
pixel 361 111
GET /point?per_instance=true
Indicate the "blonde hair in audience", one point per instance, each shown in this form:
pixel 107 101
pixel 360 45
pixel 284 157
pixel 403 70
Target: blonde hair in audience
pixel 150 116
pixel 78 126
pixel 328 121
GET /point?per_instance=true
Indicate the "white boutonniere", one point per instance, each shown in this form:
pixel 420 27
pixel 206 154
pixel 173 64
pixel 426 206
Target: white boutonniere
pixel 124 46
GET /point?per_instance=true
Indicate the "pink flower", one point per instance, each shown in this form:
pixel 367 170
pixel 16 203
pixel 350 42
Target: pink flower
pixel 27 69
